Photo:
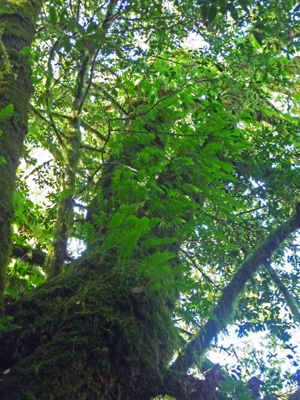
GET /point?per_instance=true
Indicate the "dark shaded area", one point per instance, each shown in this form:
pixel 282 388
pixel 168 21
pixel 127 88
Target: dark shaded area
pixel 29 255
pixel 85 334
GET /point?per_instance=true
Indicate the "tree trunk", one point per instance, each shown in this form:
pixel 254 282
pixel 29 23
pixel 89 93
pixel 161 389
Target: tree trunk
pixel 103 329
pixel 87 339
pixel 99 330
pixel 17 29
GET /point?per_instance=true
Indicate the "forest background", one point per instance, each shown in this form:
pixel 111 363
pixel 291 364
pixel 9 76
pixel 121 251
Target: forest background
pixel 170 132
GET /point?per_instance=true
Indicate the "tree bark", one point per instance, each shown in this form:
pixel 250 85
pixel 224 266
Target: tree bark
pixel 17 30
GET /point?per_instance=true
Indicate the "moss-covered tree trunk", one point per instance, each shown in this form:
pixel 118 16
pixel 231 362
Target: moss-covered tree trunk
pixel 103 329
pixel 98 330
pixel 17 29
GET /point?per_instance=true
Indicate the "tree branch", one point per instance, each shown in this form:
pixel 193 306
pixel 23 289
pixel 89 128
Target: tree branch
pixel 29 255
pixel 111 98
pixel 288 298
pixel 228 300
pixel 68 118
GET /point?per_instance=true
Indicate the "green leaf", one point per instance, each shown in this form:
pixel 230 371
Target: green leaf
pixel 212 12
pixel 5 10
pixel 244 4
pixel 91 27
pixel 233 11
pixel 12 293
pixel 7 112
pixel 53 15
pixel 25 51
pixel 259 37
pixel 204 12
pixel 6 324
pixel 223 6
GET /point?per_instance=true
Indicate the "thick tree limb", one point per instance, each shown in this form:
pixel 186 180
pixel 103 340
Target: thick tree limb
pixel 228 301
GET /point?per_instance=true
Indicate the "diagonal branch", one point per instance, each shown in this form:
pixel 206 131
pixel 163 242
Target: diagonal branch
pixel 111 98
pixel 70 119
pixel 291 302
pixel 29 255
pixel 229 299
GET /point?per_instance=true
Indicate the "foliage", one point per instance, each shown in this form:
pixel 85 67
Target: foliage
pixel 164 140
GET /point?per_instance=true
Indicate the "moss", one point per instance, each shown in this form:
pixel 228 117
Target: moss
pixel 105 341
pixel 17 31
pixel 30 9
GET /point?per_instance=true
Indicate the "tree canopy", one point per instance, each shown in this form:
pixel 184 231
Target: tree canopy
pixel 149 174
